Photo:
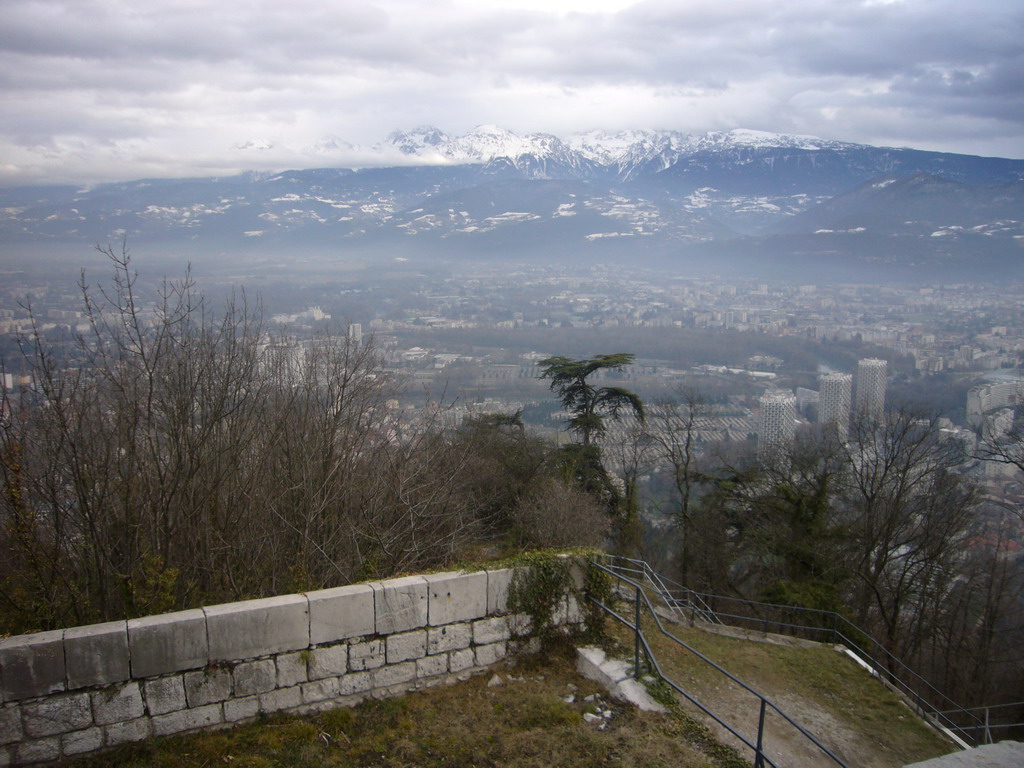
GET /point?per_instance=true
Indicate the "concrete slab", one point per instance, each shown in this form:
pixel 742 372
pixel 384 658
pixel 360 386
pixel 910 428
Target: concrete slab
pixel 615 675
pixel 32 665
pixel 170 642
pixel 400 604
pixel 1005 754
pixel 97 654
pixel 455 597
pixel 340 613
pixel 257 627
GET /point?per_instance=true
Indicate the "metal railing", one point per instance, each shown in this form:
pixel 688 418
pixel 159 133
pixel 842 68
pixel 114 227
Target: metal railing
pixel 987 726
pixel 965 726
pixel 642 650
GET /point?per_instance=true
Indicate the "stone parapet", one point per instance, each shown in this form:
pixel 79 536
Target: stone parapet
pixel 79 690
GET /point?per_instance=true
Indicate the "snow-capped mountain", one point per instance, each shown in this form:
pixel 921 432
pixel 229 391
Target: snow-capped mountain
pixel 421 140
pixel 599 194
pixel 623 151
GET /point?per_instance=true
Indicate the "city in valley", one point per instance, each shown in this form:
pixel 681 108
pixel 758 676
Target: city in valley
pixel 468 345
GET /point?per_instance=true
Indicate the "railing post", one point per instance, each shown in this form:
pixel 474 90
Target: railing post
pixel 759 752
pixel 636 636
pixel 988 730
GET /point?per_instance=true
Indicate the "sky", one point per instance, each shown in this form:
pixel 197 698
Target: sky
pixel 104 90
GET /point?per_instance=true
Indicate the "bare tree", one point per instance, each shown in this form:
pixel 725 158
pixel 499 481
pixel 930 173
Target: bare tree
pixel 907 513
pixel 674 432
pixel 172 457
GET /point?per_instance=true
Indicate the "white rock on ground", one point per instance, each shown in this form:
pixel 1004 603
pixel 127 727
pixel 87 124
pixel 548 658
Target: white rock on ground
pixel 615 675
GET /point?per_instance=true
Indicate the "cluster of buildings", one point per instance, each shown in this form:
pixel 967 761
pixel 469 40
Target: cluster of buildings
pixel 839 398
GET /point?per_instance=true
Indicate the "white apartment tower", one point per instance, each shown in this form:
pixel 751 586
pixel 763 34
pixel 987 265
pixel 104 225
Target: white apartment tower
pixel 778 425
pixel 834 401
pixel 871 388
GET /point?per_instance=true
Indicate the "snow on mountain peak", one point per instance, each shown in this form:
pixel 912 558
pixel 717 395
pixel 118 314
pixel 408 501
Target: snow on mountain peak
pixel 422 138
pixel 625 151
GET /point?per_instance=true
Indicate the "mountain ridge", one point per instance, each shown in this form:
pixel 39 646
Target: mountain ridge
pixel 738 200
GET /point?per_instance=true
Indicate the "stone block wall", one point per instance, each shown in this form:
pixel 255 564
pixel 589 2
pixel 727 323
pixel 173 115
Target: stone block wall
pixel 73 691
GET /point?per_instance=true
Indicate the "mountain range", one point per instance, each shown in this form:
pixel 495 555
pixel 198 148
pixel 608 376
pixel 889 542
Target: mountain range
pixel 731 202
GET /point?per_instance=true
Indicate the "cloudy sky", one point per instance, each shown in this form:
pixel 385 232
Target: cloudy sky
pixel 97 90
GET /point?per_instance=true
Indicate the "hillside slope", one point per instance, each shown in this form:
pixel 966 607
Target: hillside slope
pixel 840 704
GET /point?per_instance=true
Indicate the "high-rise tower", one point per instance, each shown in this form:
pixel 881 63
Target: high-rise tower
pixel 778 426
pixel 834 401
pixel 871 388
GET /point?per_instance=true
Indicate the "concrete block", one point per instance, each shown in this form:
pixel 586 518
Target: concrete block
pixel 355 682
pixel 432 665
pixel 573 611
pixel 117 704
pixel 281 699
pixel 165 694
pixel 96 654
pixel 527 645
pixel 207 686
pixel 6 757
pixel 331 661
pixel 320 690
pixel 32 665
pixel 188 720
pixel 498 584
pixel 520 624
pixel 127 733
pixel 490 654
pixel 405 646
pixel 10 724
pixel 80 742
pixel 254 677
pixel 340 613
pixel 241 709
pixel 393 674
pixel 368 655
pixel 38 751
pixel 56 715
pixel 461 660
pixel 258 627
pixel 491 630
pixel 291 669
pixel 400 604
pixel 453 637
pixel 455 597
pixel 576 574
pixel 172 642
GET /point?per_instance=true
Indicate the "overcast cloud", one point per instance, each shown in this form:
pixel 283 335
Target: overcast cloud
pixel 96 90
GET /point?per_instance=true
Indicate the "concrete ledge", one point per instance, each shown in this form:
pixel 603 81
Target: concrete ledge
pixel 171 642
pixel 456 597
pixel 400 604
pixel 32 665
pixel 340 613
pixel 97 654
pixel 257 627
pixel 1005 754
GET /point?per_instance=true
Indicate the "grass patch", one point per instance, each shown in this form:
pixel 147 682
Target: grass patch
pixel 823 690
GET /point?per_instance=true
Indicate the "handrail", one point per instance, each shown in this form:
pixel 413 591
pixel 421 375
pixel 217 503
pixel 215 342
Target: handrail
pixel 832 622
pixel 761 759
